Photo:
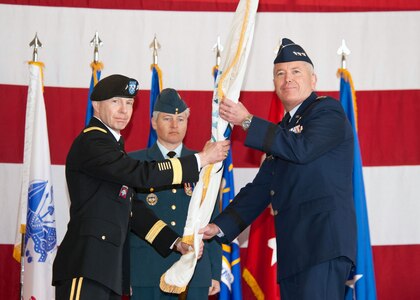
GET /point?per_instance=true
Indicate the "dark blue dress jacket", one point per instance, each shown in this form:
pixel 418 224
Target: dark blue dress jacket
pixel 147 265
pixel 307 177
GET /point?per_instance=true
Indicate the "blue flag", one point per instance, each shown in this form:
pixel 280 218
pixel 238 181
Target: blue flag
pixel 96 76
pixel 230 286
pixel 154 92
pixel 362 283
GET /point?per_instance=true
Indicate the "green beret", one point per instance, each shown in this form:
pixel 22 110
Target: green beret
pixel 290 51
pixel 169 101
pixel 115 86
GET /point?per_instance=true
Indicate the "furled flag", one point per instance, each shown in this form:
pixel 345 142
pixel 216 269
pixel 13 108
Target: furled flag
pixel 362 283
pixel 36 211
pixel 97 67
pixel 260 265
pixel 230 288
pixel 154 92
pixel 228 83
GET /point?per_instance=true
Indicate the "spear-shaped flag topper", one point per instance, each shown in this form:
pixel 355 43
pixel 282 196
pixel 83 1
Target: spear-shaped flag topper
pixel 155 46
pixel 36 43
pixel 343 51
pixel 218 48
pixel 96 42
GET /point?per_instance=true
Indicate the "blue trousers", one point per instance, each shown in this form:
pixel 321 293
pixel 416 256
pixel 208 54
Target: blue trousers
pixel 325 281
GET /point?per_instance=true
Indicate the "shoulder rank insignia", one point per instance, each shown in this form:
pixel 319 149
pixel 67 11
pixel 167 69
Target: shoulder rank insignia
pixel 94 128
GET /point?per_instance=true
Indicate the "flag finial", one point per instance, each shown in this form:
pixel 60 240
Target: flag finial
pixel 36 43
pixel 96 42
pixel 155 46
pixel 343 51
pixel 218 48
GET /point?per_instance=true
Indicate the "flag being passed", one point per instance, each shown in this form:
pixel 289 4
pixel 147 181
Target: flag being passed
pixel 362 284
pixel 36 211
pixel 206 192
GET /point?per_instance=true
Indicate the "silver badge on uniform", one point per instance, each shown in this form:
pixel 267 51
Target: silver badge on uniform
pixel 152 199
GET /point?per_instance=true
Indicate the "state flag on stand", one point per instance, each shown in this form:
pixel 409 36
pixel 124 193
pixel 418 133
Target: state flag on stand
pixel 230 287
pixel 96 76
pixel 260 266
pixel 36 211
pixel 155 89
pixel 362 283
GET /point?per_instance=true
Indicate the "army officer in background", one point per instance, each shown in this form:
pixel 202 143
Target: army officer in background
pixel 170 204
pixel 92 261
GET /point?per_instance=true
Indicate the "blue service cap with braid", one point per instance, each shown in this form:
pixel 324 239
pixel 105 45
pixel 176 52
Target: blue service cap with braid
pixel 290 51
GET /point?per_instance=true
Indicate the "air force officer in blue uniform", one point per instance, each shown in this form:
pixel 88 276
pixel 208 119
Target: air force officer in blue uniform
pixel 307 178
pixel 170 203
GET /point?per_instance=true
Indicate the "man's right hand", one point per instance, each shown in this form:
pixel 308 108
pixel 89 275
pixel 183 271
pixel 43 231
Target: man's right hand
pixel 184 248
pixel 209 231
pixel 214 152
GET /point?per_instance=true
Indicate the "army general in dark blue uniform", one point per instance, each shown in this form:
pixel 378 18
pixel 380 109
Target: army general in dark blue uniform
pixel 92 261
pixel 170 120
pixel 307 178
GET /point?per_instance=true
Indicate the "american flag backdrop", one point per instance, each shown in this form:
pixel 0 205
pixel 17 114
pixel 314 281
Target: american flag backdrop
pixel 384 40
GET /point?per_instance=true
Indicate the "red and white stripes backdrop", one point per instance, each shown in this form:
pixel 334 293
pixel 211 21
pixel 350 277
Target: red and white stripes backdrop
pixel 385 65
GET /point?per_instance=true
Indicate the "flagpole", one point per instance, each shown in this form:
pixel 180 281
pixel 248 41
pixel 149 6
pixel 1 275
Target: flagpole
pixel 35 43
pixel 361 284
pixel 156 86
pixel 96 67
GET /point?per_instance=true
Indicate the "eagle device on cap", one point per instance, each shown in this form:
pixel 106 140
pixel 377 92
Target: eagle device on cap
pixel 115 86
pixel 290 51
pixel 169 101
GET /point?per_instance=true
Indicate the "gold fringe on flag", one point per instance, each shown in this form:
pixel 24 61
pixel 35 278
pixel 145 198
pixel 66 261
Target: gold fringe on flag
pixel 168 288
pixel 159 72
pixel 17 249
pixel 237 54
pixel 345 74
pixel 215 69
pixel 253 284
pixel 96 66
pixel 41 69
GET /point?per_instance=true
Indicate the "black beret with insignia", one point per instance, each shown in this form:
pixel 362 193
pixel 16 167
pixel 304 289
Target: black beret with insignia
pixel 290 51
pixel 115 86
pixel 169 101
